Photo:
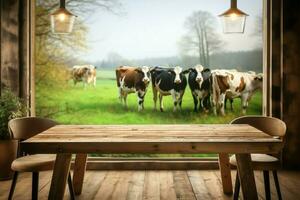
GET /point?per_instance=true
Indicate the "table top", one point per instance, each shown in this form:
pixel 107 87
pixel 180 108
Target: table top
pixel 214 138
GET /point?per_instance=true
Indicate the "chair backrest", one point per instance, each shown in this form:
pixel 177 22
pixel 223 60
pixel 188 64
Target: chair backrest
pixel 26 127
pixel 269 125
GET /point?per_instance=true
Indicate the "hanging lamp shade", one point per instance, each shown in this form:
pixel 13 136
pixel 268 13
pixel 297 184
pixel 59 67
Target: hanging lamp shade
pixel 233 20
pixel 62 20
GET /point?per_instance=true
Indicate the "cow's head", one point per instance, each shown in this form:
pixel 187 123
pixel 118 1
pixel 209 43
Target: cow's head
pixel 201 73
pixel 146 73
pixel 258 79
pixel 177 72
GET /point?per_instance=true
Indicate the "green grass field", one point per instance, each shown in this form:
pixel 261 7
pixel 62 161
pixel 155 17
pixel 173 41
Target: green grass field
pixel 100 105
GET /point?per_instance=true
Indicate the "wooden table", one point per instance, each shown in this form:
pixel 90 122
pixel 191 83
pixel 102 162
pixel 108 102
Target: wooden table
pixel 65 140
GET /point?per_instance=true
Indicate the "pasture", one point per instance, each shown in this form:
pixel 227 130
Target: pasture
pixel 100 105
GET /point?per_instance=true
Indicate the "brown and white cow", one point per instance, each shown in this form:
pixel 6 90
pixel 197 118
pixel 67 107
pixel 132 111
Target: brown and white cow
pixel 232 84
pixel 133 80
pixel 85 73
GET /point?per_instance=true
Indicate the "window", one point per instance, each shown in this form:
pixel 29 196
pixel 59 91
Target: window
pixel 109 34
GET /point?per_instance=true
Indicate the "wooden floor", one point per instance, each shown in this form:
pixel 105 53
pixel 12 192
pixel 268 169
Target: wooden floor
pixel 185 185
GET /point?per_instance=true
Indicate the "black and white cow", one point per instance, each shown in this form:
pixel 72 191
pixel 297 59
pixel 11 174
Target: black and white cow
pixel 200 85
pixel 168 81
pixel 133 80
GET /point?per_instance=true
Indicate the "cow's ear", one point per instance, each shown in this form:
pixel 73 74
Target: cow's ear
pixel 259 77
pixel 207 70
pixel 138 69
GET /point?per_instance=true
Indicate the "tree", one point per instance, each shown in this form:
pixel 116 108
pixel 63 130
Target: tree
pixel 201 37
pixel 258 29
pixel 55 52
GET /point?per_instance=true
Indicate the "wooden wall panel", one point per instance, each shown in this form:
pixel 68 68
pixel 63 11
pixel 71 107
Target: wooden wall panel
pixel 276 58
pixel 291 72
pixel 10 45
pixel 14 40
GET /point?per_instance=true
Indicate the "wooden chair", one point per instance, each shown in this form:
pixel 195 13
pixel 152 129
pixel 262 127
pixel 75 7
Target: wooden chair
pixel 274 127
pixel 22 129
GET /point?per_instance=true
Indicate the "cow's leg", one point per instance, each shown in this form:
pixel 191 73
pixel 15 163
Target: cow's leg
pixel 231 104
pixel 120 94
pixel 154 97
pixel 206 103
pixel 201 104
pixel 244 99
pixel 221 104
pixel 195 102
pixel 161 102
pixel 180 101
pixel 174 100
pixel 125 99
pixel 95 79
pixel 140 95
pixel 214 104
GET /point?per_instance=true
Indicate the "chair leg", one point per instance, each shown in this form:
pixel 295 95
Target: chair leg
pixel 13 185
pixel 267 184
pixel 35 185
pixel 277 184
pixel 71 189
pixel 236 187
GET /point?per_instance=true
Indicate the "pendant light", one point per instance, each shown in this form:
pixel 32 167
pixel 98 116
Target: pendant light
pixel 233 20
pixel 62 20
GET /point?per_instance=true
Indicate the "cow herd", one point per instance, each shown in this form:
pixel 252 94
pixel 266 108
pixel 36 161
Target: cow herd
pixel 210 88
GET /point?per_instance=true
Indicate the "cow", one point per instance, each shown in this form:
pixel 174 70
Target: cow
pixel 200 84
pixel 168 81
pixel 228 97
pixel 233 84
pixel 133 80
pixel 85 73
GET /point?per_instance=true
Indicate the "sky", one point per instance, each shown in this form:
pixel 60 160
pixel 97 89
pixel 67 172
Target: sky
pixel 152 28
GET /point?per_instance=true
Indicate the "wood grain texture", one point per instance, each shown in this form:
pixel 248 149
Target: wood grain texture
pixel 225 173
pixel 59 177
pixel 291 80
pixel 152 139
pixel 10 72
pixel 79 171
pixel 205 184
pixel 246 176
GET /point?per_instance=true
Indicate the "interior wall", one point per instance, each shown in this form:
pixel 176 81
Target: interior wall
pixel 291 82
pixel 15 62
pixel 13 55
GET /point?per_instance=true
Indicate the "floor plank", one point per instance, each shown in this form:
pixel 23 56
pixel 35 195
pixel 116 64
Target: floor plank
pixel 144 185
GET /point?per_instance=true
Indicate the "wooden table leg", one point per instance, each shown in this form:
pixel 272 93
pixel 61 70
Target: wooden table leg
pixel 78 174
pixel 225 171
pixel 60 175
pixel 246 176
